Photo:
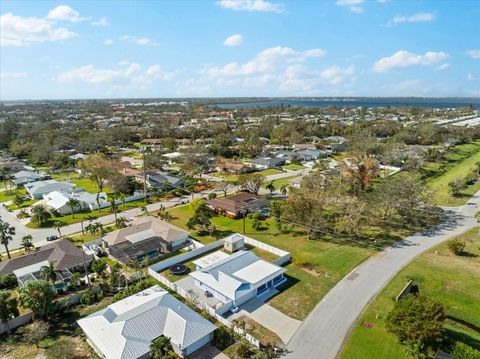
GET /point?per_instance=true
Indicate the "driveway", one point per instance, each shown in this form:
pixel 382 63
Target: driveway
pixel 270 318
pixel 326 328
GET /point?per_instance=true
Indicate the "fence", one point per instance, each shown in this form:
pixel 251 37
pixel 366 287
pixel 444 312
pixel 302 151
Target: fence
pixel 16 322
pixel 284 256
pixel 203 306
pixel 160 266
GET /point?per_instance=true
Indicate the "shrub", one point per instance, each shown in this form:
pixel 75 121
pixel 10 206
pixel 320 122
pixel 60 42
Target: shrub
pixel 464 351
pixel 8 281
pixel 88 297
pixel 244 350
pixel 212 195
pixel 223 337
pixel 455 246
pixel 417 319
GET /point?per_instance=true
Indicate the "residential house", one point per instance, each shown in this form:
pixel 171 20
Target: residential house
pixel 160 180
pixel 232 167
pixel 296 182
pixel 146 237
pixel 237 205
pixel 36 190
pixel 264 163
pixel 238 278
pixel 27 176
pixel 157 142
pixel 78 157
pixel 66 257
pixel 125 329
pixel 58 201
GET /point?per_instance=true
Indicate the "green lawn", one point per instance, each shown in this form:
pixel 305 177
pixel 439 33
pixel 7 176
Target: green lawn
pixel 307 283
pixel 226 176
pixel 269 172
pixel 8 196
pixel 293 167
pixel 452 280
pixel 12 206
pixel 75 178
pixel 278 183
pixel 459 161
pixel 86 216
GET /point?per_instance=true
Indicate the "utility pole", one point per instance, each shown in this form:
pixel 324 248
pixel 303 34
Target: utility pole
pixel 144 177
pixel 244 212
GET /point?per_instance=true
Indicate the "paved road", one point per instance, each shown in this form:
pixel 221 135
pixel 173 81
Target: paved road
pixel 328 325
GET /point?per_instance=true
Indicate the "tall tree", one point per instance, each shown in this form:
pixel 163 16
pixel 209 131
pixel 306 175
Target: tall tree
pixel 49 273
pixel 360 172
pixel 73 204
pixel 37 295
pixel 7 232
pixel 160 347
pixel 225 186
pixel 27 242
pixel 251 182
pixel 40 214
pixel 98 168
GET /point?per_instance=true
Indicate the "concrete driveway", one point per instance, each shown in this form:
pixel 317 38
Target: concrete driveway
pixel 269 317
pixel 327 327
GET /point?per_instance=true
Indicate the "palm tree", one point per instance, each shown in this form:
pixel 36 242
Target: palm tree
pixel 113 205
pixel 120 222
pixel 58 225
pixel 160 347
pixel 73 203
pixel 27 242
pixel 284 189
pixel 270 187
pixel 41 214
pixel 49 273
pixel 8 308
pixel 6 235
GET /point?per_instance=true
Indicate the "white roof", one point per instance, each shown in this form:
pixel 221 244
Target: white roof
pixel 48 186
pixel 33 268
pixel 58 199
pixel 222 275
pixel 256 271
pixel 233 238
pixel 172 154
pixel 210 259
pixel 125 329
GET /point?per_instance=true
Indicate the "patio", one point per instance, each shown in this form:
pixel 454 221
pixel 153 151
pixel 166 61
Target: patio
pixel 187 284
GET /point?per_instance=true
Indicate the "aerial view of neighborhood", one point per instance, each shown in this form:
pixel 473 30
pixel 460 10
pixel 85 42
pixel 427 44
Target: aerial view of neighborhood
pixel 240 179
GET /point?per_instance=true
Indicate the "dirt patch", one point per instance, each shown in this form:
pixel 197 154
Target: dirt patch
pixel 266 336
pixel 367 325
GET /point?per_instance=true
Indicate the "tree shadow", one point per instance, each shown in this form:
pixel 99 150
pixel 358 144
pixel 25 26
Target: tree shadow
pixel 455 336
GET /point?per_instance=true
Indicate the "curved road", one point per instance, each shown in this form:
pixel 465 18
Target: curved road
pixel 322 334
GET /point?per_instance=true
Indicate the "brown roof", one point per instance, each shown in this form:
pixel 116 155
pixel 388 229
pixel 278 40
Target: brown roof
pixel 238 202
pixel 235 166
pixel 129 172
pixel 152 140
pixel 121 165
pixel 144 228
pixel 63 253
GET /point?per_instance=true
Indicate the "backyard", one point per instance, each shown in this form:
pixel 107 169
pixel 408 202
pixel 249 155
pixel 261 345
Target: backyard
pixel 316 267
pixel 459 161
pixel 450 279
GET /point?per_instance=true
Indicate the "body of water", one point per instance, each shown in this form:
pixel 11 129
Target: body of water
pixel 360 102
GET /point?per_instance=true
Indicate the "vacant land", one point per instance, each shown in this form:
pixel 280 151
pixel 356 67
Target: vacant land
pixel 458 163
pixel 278 183
pixel 449 279
pixel 316 267
pixel 293 167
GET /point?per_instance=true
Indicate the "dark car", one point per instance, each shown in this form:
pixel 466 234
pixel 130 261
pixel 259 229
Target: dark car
pixel 52 238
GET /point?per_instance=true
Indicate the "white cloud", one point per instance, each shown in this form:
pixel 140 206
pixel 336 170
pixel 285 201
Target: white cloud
pixel 474 54
pixel 103 22
pixel 442 67
pixel 233 40
pixel 251 5
pixel 265 61
pixel 353 5
pixel 139 40
pixel 471 77
pixel 418 17
pixel 108 42
pixel 130 75
pixel 12 75
pixel 22 31
pixel 64 12
pixel 402 59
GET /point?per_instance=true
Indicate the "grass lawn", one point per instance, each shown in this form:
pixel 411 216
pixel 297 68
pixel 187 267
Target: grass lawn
pixel 306 284
pixel 278 182
pixel 87 216
pixel 8 196
pixel 13 207
pixel 452 280
pixel 293 167
pixel 459 162
pixel 225 176
pixel 269 172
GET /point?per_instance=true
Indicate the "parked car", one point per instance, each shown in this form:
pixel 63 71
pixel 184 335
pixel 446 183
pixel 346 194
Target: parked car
pixel 52 238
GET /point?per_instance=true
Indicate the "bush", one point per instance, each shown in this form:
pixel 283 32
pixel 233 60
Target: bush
pixel 464 351
pixel 212 195
pixel 223 337
pixel 88 297
pixel 417 319
pixel 8 281
pixel 455 246
pixel 244 350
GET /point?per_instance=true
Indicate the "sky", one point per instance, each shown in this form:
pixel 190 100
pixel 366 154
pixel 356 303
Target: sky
pixel 229 48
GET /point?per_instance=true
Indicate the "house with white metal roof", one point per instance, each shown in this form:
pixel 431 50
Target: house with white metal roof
pixel 125 329
pixel 38 189
pixel 237 278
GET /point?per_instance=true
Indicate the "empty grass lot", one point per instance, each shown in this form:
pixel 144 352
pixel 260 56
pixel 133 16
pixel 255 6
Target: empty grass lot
pixel 459 162
pixel 307 283
pixel 278 183
pixel 452 280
